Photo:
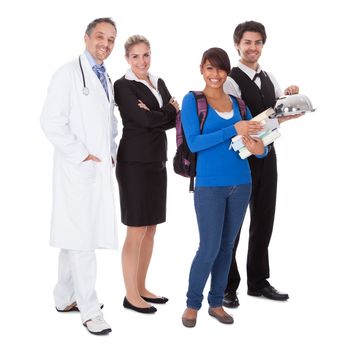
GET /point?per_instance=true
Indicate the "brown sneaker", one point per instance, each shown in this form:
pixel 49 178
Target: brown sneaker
pixel 219 314
pixel 189 317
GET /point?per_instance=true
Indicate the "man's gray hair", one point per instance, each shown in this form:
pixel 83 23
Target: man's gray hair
pixel 93 24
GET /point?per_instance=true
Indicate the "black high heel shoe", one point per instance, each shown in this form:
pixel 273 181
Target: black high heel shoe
pixel 143 310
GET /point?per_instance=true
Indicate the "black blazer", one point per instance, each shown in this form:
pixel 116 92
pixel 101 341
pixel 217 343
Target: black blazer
pixel 143 138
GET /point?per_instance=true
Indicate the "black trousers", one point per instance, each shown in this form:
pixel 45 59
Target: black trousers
pixel 262 211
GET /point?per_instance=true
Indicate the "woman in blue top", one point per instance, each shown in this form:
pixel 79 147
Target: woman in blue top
pixel 223 184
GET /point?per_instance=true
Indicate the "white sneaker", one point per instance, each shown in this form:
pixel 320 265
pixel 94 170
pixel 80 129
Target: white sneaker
pixel 97 326
pixel 74 308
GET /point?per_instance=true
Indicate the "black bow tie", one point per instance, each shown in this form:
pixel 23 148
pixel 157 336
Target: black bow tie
pixel 260 75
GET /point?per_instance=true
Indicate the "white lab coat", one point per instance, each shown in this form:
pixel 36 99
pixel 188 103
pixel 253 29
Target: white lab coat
pixel 83 212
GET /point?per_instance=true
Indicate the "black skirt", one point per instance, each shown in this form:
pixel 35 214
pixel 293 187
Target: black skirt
pixel 142 189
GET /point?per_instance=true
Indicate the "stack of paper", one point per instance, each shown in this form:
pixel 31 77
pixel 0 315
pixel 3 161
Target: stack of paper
pixel 267 135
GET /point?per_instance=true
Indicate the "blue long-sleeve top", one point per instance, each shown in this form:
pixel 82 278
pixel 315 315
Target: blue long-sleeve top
pixel 216 164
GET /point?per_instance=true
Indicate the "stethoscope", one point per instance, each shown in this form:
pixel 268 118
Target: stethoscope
pixel 85 89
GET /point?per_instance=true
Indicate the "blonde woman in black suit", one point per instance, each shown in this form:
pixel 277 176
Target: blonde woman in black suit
pixel 147 111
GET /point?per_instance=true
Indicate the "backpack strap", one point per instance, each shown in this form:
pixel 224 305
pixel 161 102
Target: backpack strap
pixel 242 106
pixel 202 110
pixel 201 107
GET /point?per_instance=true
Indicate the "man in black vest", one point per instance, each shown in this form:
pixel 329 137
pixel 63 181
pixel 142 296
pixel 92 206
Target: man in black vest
pixel 259 90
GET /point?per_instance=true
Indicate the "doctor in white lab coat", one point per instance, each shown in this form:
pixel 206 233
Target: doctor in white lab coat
pixel 78 119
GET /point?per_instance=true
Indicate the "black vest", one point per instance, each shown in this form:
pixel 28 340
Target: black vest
pixel 257 100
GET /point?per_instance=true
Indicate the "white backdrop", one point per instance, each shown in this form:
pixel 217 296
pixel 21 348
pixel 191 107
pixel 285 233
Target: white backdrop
pixel 306 45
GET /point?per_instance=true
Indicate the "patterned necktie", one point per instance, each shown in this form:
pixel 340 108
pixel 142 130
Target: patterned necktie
pixel 99 69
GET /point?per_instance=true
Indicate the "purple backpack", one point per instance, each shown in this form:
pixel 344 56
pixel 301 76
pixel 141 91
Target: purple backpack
pixel 184 161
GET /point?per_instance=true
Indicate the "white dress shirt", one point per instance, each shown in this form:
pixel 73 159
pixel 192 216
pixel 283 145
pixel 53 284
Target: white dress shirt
pixel 232 88
pixel 130 75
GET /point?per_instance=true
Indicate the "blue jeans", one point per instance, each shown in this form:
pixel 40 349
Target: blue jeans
pixel 220 212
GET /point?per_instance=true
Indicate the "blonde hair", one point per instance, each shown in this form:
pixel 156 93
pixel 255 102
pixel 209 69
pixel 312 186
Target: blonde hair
pixel 134 40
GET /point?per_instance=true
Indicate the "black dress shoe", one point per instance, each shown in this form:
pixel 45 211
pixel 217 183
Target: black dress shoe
pixel 231 300
pixel 161 300
pixel 269 292
pixel 143 310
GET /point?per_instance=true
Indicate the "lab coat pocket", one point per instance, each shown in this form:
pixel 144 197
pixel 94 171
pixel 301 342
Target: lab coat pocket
pixel 87 172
